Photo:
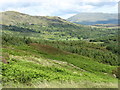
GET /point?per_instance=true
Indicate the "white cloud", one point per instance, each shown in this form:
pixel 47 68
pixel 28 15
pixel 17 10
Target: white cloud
pixel 108 9
pixel 63 8
pixel 67 15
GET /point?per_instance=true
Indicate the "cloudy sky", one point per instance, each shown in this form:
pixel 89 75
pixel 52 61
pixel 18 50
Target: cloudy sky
pixel 62 8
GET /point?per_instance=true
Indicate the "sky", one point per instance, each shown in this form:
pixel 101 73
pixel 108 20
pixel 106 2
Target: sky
pixel 61 8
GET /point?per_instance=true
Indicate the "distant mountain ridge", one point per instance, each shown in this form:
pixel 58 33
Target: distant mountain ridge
pixel 94 18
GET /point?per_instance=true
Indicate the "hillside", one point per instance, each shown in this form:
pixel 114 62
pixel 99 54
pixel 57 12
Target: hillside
pixel 50 52
pixel 39 65
pixel 94 18
pixel 14 18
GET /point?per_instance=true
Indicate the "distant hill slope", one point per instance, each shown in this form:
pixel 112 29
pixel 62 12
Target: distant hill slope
pixel 94 18
pixel 48 27
pixel 15 18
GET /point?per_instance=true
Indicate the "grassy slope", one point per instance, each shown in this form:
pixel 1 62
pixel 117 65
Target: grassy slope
pixel 38 64
pixel 21 18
